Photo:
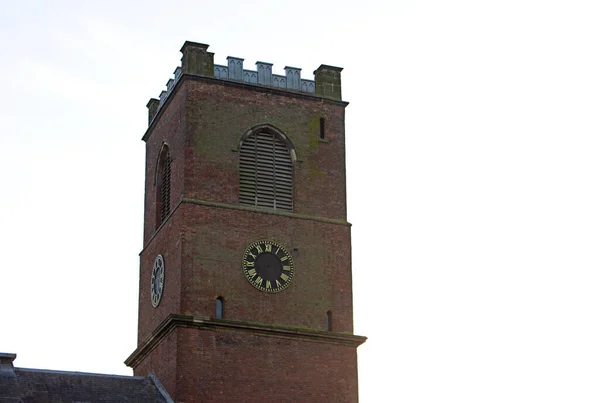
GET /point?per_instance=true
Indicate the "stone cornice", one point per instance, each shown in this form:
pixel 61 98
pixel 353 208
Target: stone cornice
pixel 175 321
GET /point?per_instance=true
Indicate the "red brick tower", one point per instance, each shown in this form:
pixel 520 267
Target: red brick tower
pixel 245 275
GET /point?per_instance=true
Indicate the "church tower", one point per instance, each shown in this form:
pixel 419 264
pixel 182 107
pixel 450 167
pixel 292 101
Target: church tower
pixel 245 273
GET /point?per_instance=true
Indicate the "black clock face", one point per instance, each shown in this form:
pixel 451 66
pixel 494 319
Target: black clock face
pixel 157 281
pixel 268 266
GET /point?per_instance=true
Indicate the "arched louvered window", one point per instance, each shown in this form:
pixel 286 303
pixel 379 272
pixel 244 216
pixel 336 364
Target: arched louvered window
pixel 266 171
pixel 163 186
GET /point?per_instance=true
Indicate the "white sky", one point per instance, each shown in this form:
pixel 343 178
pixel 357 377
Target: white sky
pixel 473 137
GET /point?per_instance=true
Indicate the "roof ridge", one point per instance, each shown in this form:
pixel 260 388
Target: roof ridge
pixel 53 371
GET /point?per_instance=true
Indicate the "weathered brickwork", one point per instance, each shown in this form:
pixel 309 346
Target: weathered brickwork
pixel 170 129
pixel 162 361
pixel 219 114
pixel 203 121
pixel 167 243
pixel 218 238
pixel 227 366
pixel 241 367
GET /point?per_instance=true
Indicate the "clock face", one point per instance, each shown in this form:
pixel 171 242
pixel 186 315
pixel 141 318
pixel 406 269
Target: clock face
pixel 158 280
pixel 268 266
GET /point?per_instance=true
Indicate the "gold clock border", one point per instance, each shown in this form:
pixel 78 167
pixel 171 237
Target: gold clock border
pixel 291 265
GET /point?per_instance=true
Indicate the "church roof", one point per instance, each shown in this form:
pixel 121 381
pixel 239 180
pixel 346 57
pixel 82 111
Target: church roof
pixel 24 385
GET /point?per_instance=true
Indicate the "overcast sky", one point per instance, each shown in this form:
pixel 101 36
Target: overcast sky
pixel 473 142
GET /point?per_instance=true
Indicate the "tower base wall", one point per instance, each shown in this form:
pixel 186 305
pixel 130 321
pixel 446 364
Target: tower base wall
pixel 232 362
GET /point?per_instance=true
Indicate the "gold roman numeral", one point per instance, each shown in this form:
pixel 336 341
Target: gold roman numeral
pixel 268 247
pixel 259 249
pixel 250 264
pixel 284 277
pixel 252 272
pixel 283 259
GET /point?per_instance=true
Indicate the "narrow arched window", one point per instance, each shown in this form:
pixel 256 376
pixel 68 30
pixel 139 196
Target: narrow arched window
pixel 163 186
pixel 329 321
pixel 266 171
pixel 322 128
pixel 219 308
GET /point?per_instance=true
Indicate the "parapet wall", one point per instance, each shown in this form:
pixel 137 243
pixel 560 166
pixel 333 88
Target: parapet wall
pixel 197 61
pixel 263 75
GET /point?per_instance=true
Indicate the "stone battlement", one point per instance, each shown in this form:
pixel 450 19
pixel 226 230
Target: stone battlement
pixel 196 60
pixel 263 75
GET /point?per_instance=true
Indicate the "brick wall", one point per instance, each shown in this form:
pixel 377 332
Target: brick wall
pixel 241 367
pixel 203 244
pixel 167 243
pixel 218 238
pixel 162 361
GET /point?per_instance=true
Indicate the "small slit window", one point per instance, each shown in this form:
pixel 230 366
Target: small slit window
pixel 266 171
pixel 163 188
pixel 329 321
pixel 322 128
pixel 219 308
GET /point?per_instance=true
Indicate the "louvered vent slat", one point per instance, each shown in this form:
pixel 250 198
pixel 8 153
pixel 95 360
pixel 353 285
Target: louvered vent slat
pixel 266 172
pixel 284 174
pixel 283 184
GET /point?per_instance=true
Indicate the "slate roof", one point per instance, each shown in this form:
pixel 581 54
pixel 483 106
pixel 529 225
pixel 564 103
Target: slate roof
pixel 45 386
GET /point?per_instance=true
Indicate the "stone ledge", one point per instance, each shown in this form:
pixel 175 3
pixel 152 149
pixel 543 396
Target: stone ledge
pixel 174 321
pixel 265 211
pixel 243 208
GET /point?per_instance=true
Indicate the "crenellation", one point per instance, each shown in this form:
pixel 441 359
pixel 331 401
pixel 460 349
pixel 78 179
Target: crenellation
pixel 177 74
pixel 196 60
pixel 292 77
pixel 221 72
pixel 265 71
pixel 163 97
pixel 307 86
pixel 235 66
pixel 278 81
pixel 152 106
pixel 250 77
